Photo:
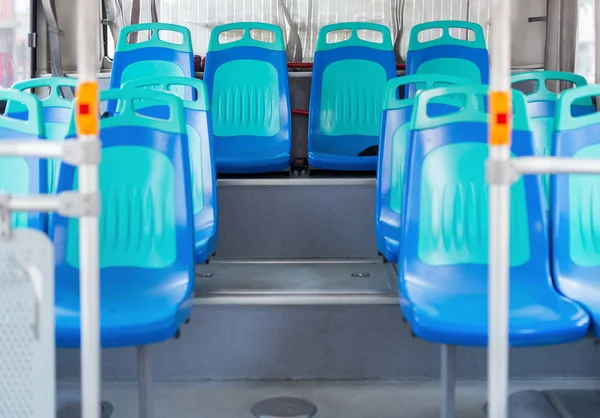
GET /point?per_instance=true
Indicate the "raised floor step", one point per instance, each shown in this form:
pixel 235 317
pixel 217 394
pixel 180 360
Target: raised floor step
pixel 561 403
pixel 297 282
pixel 296 218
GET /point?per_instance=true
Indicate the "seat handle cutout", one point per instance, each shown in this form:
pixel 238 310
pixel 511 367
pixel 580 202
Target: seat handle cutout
pixel 446 32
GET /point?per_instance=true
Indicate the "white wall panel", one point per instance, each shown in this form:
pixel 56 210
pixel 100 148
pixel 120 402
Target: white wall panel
pixel 65 14
pixel 528 38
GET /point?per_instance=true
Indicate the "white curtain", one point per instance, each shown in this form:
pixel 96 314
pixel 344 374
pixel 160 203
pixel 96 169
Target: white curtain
pixel 307 16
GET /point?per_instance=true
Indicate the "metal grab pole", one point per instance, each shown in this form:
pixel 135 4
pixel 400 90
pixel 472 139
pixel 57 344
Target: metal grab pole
pixel 500 103
pixel 555 165
pixel 35 148
pixel 88 15
pixel 597 42
pixel 40 203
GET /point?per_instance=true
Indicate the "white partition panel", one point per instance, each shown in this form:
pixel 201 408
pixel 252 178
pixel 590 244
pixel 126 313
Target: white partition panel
pixel 27 360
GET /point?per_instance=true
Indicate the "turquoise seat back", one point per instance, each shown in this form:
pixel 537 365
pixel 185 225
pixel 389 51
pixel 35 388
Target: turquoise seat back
pixel 56 113
pixel 146 227
pixel 447 54
pixel 444 253
pixel 156 56
pixel 348 84
pixel 448 182
pixel 247 81
pixel 21 175
pixel 444 258
pixel 575 199
pixel 393 147
pixel 139 221
pixel 203 180
pixel 541 107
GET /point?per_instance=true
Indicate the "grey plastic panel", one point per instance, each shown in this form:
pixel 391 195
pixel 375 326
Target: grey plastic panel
pixel 27 353
pixel 275 220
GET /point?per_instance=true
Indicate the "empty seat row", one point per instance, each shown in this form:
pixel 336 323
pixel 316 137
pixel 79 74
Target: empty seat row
pixel 154 210
pixel 23 176
pixel 246 78
pixel 146 227
pixel 574 219
pixel 541 107
pixel 395 133
pixel 445 236
pixel 201 154
pixel 441 221
pixel 56 124
pixel 433 216
pixel 393 150
pixel 56 112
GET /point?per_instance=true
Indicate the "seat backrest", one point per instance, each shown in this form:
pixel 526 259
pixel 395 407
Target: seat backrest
pixel 154 56
pixel 246 76
pixel 198 125
pixel 445 225
pixel 350 73
pixel 56 113
pixel 575 198
pixel 21 175
pixel 146 213
pixel 443 53
pixel 394 144
pixel 56 108
pixel 541 105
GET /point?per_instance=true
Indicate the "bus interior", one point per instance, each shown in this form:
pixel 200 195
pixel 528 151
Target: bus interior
pixel 293 208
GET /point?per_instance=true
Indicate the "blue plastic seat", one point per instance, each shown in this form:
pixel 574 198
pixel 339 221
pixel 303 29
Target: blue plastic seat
pixel 146 229
pixel 575 198
pixel 541 106
pixel 204 178
pixel 20 175
pixel 395 130
pixel 247 82
pixel 56 113
pixel 446 54
pixel 155 56
pixel 443 260
pixel 348 86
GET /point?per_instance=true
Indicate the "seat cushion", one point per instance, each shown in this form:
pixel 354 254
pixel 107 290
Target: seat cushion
pixel 538 315
pixel 138 309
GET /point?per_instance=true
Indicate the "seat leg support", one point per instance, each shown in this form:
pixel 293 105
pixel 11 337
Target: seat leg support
pixel 448 377
pixel 144 381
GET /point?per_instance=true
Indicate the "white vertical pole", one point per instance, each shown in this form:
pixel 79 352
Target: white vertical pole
pixel 87 128
pixel 597 41
pixel 499 209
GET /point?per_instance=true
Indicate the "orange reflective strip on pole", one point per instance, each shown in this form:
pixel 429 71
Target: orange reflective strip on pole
pixel 87 108
pixel 500 118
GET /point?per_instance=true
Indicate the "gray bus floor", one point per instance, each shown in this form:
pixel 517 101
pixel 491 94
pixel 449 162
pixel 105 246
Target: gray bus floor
pixel 334 399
